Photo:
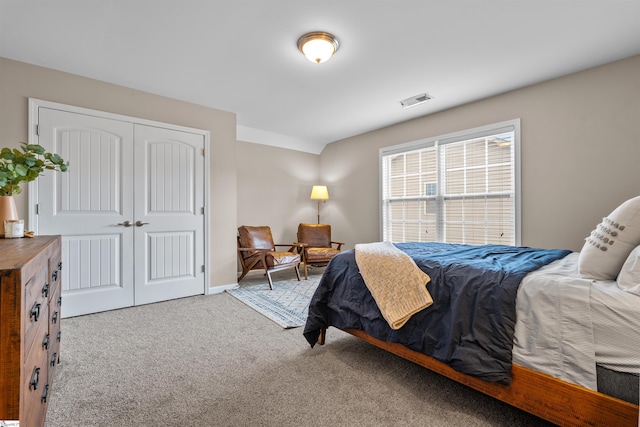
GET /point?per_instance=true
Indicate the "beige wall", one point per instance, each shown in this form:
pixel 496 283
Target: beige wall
pixel 580 155
pixel 580 149
pixel 19 81
pixel 274 185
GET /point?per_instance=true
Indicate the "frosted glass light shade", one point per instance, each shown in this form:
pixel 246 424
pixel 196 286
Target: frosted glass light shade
pixel 318 46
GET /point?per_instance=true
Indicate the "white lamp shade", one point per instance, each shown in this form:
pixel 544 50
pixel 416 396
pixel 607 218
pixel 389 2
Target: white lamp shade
pixel 318 50
pixel 319 192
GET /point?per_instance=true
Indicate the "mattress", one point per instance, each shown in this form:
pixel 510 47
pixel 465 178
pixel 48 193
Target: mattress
pixel 615 317
pixel 567 325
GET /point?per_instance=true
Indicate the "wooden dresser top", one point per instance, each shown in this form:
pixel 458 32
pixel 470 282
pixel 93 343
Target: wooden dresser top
pixel 14 253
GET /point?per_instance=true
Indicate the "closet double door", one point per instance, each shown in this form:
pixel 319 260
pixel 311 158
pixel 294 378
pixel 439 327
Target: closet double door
pixel 130 210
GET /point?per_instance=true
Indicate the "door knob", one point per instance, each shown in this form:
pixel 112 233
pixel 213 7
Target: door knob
pixel 126 223
pixel 140 223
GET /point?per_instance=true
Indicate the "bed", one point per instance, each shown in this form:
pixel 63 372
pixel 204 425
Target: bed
pixel 550 362
pixel 553 390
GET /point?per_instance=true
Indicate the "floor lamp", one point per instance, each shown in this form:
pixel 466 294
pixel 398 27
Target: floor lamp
pixel 321 194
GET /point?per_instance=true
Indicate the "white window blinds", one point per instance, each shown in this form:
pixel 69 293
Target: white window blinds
pixel 459 188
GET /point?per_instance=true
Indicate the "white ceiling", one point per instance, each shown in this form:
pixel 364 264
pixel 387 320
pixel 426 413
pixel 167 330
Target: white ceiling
pixel 241 55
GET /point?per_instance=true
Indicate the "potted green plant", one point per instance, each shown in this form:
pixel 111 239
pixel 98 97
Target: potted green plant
pixel 23 164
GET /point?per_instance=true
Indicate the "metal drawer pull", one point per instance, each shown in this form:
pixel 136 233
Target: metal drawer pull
pixel 45 342
pixel 59 301
pixel 140 223
pixel 59 265
pixel 53 359
pixel 45 290
pixel 35 379
pixel 54 275
pixel 35 311
pixel 45 392
pixel 54 317
pixel 59 336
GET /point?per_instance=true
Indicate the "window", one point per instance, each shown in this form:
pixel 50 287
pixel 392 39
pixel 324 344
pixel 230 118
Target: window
pixel 457 188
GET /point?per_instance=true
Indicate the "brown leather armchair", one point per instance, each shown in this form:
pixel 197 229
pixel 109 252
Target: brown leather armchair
pixel 316 245
pixel 257 251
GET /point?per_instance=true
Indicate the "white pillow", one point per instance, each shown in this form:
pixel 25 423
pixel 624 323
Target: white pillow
pixel 609 245
pixel 629 277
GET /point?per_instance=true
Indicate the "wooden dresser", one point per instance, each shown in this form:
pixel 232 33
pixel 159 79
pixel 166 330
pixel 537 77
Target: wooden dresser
pixel 29 326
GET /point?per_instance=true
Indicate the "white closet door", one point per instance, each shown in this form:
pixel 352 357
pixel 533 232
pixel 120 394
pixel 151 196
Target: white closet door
pixel 130 209
pixel 88 206
pixel 169 214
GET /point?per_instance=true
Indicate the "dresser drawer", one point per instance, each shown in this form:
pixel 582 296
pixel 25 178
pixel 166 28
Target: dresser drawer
pixel 38 287
pixel 55 272
pixel 35 387
pixel 38 338
pixel 36 309
pixel 55 335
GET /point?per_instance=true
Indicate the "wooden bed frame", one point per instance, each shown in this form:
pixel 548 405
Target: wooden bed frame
pixel 547 397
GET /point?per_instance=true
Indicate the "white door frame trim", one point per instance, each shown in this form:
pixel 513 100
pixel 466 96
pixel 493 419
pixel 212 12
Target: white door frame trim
pixel 35 103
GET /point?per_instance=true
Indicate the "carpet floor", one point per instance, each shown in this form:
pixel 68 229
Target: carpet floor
pixel 209 361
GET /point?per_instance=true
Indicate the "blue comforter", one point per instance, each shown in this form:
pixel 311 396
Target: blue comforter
pixel 471 323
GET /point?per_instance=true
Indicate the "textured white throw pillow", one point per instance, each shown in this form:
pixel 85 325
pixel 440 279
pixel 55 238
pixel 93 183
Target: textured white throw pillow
pixel 606 249
pixel 629 277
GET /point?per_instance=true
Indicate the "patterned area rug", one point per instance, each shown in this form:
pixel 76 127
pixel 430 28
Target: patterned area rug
pixel 287 304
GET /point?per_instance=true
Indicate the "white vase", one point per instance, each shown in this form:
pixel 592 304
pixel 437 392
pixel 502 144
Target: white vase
pixel 7 211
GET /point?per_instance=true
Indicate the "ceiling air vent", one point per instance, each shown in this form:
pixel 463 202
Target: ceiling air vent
pixel 415 100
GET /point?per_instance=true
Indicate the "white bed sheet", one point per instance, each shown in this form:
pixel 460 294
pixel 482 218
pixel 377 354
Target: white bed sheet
pixel 566 324
pixel 616 327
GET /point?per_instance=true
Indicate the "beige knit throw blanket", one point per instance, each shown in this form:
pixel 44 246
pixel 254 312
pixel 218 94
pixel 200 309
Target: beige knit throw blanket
pixel 396 283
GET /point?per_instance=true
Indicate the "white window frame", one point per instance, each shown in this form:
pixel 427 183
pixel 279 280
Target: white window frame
pixel 478 132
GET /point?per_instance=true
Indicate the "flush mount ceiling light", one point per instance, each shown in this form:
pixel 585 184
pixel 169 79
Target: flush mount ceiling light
pixel 318 46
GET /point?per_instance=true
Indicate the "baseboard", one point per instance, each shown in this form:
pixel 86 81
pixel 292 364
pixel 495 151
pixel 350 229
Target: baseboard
pixel 219 289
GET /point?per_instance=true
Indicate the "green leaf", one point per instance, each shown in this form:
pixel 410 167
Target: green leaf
pixel 22 170
pixel 33 174
pixel 38 149
pixel 7 154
